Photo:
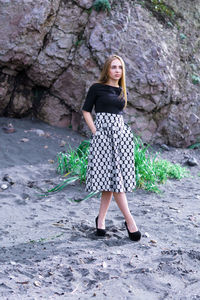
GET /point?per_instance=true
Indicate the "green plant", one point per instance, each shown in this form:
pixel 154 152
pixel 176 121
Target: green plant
pixel 78 43
pixel 160 6
pixel 195 79
pixel 102 5
pixel 150 171
pixel 183 36
pixel 163 12
pixel 195 146
pixel 74 162
pixel 41 240
pixel 165 169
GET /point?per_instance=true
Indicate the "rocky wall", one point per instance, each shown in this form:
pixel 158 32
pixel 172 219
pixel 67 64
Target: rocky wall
pixel 52 51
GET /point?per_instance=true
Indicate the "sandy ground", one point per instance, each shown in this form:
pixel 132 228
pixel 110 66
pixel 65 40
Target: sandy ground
pixel 48 245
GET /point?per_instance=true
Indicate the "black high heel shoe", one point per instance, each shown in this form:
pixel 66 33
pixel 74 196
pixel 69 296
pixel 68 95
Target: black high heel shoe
pixel 133 236
pixel 99 232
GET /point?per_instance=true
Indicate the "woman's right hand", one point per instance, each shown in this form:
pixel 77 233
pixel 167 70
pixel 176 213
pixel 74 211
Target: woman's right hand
pixel 89 120
pixel 94 131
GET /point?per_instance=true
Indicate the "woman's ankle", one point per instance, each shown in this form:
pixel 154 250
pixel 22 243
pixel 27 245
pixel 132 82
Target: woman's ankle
pixel 131 224
pixel 101 223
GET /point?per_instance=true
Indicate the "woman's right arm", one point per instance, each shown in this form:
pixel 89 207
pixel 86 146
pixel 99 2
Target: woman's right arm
pixel 89 120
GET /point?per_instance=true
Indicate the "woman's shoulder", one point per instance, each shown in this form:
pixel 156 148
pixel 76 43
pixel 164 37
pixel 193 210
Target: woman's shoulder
pixel 96 85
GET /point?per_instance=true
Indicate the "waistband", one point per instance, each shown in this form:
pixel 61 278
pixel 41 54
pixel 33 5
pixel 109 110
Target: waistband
pixel 108 120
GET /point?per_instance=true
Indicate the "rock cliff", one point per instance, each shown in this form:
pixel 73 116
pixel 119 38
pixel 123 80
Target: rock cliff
pixel 52 51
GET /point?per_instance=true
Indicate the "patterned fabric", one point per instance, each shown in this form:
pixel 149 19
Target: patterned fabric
pixel 111 157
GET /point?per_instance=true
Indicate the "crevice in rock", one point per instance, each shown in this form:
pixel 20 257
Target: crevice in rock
pixel 47 35
pixel 74 48
pixel 38 92
pixel 93 56
pixel 61 101
pixel 45 42
pixel 19 79
pixel 63 70
pixel 75 3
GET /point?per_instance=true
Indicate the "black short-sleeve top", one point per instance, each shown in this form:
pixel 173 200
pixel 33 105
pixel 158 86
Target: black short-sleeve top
pixel 105 98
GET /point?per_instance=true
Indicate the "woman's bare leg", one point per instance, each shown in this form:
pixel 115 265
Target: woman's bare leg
pixel 105 202
pixel 122 203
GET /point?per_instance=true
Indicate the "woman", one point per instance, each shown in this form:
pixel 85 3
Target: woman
pixel 111 159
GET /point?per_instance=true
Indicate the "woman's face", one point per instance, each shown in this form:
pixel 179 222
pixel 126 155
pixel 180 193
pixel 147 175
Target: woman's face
pixel 115 70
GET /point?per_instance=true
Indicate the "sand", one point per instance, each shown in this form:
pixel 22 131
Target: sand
pixel 48 245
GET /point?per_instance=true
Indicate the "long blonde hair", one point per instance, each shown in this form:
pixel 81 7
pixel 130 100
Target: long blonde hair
pixel 104 74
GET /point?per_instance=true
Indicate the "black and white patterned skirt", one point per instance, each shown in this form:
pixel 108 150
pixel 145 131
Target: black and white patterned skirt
pixel 111 156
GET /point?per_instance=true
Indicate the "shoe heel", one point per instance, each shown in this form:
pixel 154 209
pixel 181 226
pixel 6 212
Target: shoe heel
pixel 99 232
pixel 133 236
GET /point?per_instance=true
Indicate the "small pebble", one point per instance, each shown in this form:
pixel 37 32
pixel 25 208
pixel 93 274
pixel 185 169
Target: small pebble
pixel 7 178
pixel 4 186
pixel 24 140
pixel 39 132
pixel 153 241
pixel 164 147
pixel 174 208
pixel 9 128
pixel 51 161
pixel 63 143
pixel 50 273
pixel 192 162
pixel 37 283
pixel 146 234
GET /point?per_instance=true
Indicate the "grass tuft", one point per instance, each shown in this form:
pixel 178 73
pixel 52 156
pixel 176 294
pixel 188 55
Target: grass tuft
pixel 152 171
pixel 102 5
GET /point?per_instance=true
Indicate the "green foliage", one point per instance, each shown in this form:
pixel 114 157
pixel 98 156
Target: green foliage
pixel 150 171
pixel 61 186
pixel 41 240
pixel 165 169
pixel 183 36
pixel 74 162
pixel 102 5
pixel 195 79
pixel 78 43
pixel 163 12
pixel 195 146
pixel 161 7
